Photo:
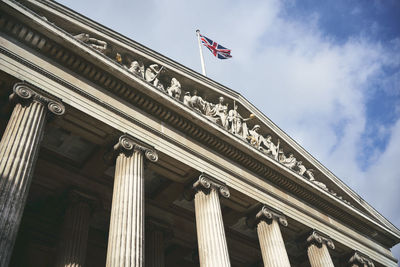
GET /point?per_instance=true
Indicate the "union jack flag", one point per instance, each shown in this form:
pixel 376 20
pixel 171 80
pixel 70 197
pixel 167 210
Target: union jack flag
pixel 215 48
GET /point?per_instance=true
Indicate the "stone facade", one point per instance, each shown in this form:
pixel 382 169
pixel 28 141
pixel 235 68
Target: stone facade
pixel 128 135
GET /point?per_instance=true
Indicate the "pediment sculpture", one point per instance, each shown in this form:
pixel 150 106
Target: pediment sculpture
pixel 229 119
pixel 94 43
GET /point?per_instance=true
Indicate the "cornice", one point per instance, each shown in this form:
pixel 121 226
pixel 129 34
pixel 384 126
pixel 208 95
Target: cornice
pixel 155 103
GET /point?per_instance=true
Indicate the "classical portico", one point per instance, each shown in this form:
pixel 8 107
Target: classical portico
pixel 182 170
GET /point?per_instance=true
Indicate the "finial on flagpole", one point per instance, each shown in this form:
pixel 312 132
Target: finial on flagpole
pixel 203 68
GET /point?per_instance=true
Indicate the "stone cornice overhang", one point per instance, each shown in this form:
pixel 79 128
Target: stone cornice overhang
pixel 120 82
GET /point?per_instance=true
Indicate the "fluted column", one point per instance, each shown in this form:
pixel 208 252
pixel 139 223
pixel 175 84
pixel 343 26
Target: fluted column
pixel 19 148
pixel 126 235
pixel 155 249
pixel 213 250
pixel 270 237
pixel 156 233
pixel 73 242
pixel 360 260
pixel 317 251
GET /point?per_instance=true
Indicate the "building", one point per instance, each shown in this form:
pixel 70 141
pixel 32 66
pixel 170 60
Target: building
pixel 104 140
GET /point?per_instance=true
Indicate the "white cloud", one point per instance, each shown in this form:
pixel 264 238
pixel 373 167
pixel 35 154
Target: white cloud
pixel 381 186
pixel 311 86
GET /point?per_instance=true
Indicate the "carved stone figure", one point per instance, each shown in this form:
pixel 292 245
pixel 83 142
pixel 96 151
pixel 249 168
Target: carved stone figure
pixel 301 169
pixel 310 174
pixel 281 156
pixel 94 43
pixel 254 137
pixel 270 148
pixel 221 112
pixel 118 58
pixel 175 89
pixel 333 193
pixel 152 73
pixel 137 68
pixel 197 102
pixel 209 110
pixel 186 99
pixel 160 87
pixel 321 185
pixel 237 124
pixel 290 161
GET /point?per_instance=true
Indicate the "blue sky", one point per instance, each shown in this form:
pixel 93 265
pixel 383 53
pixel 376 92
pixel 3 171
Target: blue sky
pixel 326 72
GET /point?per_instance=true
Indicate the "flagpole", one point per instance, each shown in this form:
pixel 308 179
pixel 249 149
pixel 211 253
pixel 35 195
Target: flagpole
pixel 203 67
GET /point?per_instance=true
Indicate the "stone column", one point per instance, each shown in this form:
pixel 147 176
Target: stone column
pixel 213 250
pixel 155 248
pixel 73 242
pixel 360 260
pixel 156 234
pixel 126 235
pixel 270 237
pixel 19 148
pixel 317 251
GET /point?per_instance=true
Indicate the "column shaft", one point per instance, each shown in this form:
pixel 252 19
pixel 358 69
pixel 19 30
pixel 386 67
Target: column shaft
pixel 319 256
pixel 126 235
pixel 272 246
pixel 155 248
pixel 125 240
pixel 72 249
pixel 18 152
pixel 213 250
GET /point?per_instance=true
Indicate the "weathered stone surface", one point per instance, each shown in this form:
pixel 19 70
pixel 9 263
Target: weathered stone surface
pixel 18 152
pixel 126 235
pixel 270 237
pixel 360 260
pixel 156 234
pixel 73 242
pixel 317 251
pixel 213 250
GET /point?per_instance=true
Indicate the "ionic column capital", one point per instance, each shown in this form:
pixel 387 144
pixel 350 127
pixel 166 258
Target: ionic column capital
pixel 206 183
pixel 316 238
pixel 26 93
pixel 268 215
pixel 359 259
pixel 127 145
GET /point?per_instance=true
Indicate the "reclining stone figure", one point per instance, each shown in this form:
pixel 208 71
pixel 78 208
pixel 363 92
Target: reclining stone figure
pixel 94 43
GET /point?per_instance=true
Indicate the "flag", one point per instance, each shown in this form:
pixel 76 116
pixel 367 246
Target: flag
pixel 215 48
